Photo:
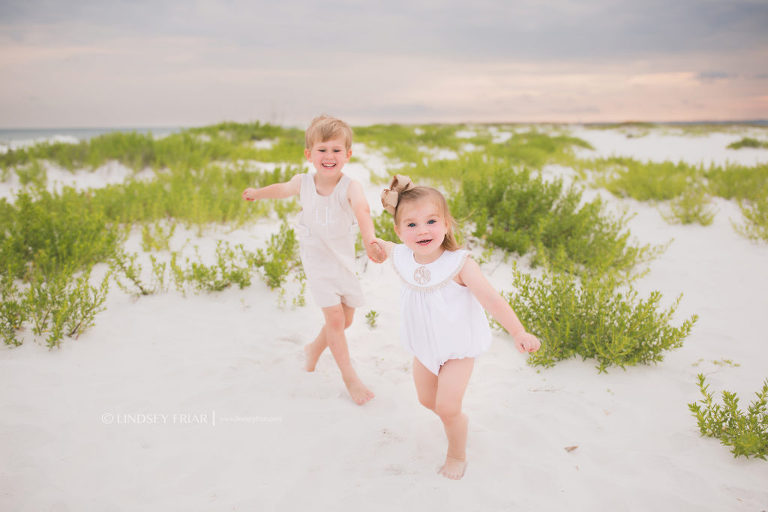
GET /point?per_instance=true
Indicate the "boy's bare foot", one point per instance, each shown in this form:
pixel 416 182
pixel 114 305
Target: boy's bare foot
pixel 453 468
pixel 357 390
pixel 312 354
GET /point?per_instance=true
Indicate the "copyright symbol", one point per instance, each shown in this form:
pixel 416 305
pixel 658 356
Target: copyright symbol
pixel 107 418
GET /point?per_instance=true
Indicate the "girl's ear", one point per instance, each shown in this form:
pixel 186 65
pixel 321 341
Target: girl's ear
pixel 397 230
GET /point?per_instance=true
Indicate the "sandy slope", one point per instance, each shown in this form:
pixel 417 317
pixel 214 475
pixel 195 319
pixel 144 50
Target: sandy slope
pixel 200 402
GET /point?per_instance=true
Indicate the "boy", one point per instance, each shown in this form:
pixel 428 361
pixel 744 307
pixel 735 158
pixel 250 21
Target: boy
pixel 331 203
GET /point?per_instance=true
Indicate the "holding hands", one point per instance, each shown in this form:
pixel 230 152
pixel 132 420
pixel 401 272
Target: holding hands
pixel 375 252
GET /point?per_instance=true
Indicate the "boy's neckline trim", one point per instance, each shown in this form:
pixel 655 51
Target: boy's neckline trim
pixel 314 185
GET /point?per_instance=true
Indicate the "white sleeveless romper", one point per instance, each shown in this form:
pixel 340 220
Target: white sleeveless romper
pixel 441 319
pixel 327 240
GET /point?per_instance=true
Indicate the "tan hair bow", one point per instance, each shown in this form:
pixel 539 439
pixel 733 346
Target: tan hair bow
pixel 389 196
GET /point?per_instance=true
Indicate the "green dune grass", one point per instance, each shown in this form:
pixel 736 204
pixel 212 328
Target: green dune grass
pixel 494 183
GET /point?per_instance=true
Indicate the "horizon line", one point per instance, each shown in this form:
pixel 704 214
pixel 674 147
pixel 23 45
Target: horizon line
pixel 415 123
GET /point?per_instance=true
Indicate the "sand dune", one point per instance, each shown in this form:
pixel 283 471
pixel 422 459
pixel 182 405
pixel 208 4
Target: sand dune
pixel 201 403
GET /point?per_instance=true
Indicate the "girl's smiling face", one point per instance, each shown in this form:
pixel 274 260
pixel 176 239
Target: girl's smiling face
pixel 329 157
pixel 422 228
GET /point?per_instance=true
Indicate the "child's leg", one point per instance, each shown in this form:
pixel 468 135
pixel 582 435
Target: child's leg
pixel 315 349
pixel 451 384
pixel 426 385
pixel 335 321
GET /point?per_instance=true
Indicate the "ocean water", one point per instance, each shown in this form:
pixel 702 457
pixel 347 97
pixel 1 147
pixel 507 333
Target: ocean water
pixel 20 137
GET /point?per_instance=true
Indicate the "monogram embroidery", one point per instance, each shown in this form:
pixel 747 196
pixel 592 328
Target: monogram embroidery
pixel 421 275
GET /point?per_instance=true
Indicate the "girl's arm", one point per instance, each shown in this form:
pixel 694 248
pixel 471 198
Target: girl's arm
pixel 284 190
pixel 472 277
pixel 362 213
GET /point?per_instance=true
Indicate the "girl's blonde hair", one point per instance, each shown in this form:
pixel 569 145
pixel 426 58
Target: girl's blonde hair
pixel 324 128
pixel 415 194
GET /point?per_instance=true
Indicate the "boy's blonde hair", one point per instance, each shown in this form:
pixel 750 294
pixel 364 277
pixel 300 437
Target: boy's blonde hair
pixel 416 194
pixel 325 128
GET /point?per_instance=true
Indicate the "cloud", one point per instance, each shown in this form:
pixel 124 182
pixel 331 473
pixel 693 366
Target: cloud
pixel 177 62
pixel 484 29
pixel 712 76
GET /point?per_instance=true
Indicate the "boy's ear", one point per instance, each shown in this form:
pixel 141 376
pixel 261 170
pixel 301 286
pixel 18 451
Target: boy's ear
pixel 307 153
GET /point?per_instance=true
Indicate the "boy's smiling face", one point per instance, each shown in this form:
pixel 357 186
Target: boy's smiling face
pixel 329 157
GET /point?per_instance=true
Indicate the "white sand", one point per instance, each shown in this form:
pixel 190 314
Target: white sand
pixel 201 403
pixel 659 145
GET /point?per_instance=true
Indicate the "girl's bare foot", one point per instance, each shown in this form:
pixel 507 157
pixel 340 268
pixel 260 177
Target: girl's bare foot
pixel 357 390
pixel 453 468
pixel 312 355
pixel 456 458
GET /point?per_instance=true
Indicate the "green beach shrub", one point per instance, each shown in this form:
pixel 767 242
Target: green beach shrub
pixel 33 173
pixel 594 318
pixel 534 149
pixel 50 233
pixel 748 142
pixel 370 318
pixel 663 181
pixel 738 182
pixel 127 274
pixel 280 258
pixel 745 432
pixel 231 267
pixel 643 181
pixel 13 310
pixel 84 302
pixel 755 214
pixel 520 212
pixel 409 144
pixel 414 146
pixel 187 149
pixel 64 305
pixel 238 133
pixel 156 237
pixel 688 188
pixel 693 206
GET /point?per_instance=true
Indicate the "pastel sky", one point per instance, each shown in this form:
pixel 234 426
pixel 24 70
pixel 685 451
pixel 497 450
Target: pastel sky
pixel 91 63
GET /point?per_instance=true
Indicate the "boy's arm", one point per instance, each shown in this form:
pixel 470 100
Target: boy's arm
pixel 284 190
pixel 362 213
pixel 492 301
pixel 361 210
pixel 385 246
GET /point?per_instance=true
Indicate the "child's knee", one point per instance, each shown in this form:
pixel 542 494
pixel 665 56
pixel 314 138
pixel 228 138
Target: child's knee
pixel 335 320
pixel 447 410
pixel 428 402
pixel 349 315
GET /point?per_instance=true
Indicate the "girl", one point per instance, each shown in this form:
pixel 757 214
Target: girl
pixel 442 299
